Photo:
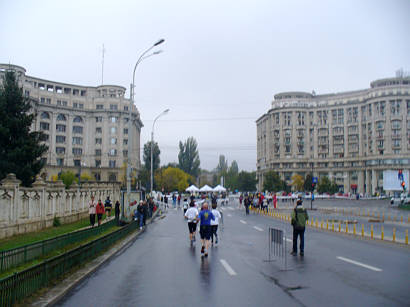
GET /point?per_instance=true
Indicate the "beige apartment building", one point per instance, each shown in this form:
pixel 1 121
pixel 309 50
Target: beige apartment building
pixel 86 127
pixel 351 137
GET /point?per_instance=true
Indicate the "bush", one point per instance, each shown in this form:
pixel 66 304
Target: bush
pixel 68 178
pixel 56 221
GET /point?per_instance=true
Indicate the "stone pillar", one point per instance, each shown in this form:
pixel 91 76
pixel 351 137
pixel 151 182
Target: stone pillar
pixel 40 186
pixel 360 182
pixel 11 186
pixel 374 181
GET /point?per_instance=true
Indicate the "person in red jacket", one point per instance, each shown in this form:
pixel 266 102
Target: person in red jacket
pixel 100 211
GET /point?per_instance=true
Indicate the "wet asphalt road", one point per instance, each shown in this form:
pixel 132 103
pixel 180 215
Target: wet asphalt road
pixel 161 269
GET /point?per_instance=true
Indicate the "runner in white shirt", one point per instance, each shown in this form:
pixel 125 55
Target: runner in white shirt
pixel 191 215
pixel 215 223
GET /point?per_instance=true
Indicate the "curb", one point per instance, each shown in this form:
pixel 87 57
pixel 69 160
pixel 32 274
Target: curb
pixel 57 292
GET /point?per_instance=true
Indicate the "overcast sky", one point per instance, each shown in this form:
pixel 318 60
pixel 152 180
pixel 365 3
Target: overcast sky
pixel 222 62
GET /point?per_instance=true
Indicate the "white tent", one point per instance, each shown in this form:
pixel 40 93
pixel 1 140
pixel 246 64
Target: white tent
pixel 219 188
pixel 192 188
pixel 206 188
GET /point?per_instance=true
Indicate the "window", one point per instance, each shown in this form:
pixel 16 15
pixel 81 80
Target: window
pixel 98 140
pixel 111 163
pixel 81 105
pixel 98 119
pixel 77 141
pixel 43 99
pixel 287 118
pixel 48 100
pixel 44 137
pixel 113 107
pixel 99 106
pixel 98 152
pixel 77 129
pixel 44 126
pixel 75 105
pixel 45 115
pixel 113 119
pixel 112 152
pixel 301 118
pixel 78 119
pixel 97 163
pixel 125 142
pixel 98 130
pixel 125 153
pixel 60 139
pixel 60 162
pixel 395 107
pixel 77 151
pixel 125 130
pixel 77 162
pixel 60 150
pixel 61 117
pixel 125 108
pixel 60 128
pixel 113 130
pixel 113 141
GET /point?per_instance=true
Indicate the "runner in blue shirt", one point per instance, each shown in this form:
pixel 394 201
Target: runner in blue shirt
pixel 205 230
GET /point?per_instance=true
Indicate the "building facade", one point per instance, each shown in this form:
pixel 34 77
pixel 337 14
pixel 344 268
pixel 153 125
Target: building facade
pixel 86 128
pixel 350 137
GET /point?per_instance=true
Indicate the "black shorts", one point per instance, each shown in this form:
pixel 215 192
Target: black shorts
pixel 192 227
pixel 99 216
pixel 205 231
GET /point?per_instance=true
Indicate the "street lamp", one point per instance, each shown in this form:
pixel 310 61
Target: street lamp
pixel 152 146
pixel 140 59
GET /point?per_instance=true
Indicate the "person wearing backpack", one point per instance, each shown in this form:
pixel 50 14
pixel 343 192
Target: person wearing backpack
pixel 299 218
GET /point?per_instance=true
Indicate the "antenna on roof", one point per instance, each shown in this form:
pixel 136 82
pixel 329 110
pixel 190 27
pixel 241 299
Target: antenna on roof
pixel 102 65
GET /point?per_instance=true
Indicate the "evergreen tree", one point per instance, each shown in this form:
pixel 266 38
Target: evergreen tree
pixel 272 182
pixel 247 181
pixel 20 149
pixel 155 156
pixel 188 157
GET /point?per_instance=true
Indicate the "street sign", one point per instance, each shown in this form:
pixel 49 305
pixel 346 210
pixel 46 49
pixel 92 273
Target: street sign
pixel 314 179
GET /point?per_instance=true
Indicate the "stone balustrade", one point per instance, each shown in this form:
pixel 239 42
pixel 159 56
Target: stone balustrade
pixel 30 209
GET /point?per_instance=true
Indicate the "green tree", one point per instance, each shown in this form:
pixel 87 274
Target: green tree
pixel 155 156
pixel 307 185
pixel 145 179
pixel 272 182
pixel 334 188
pixel 324 185
pixel 20 149
pixel 222 167
pixel 234 168
pixel 247 181
pixel 188 157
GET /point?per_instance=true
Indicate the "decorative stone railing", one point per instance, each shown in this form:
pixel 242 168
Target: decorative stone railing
pixel 30 209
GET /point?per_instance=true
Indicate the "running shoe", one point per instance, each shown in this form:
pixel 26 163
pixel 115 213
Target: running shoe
pixel 202 249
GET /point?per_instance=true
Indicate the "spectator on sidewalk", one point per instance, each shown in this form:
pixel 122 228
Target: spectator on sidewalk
pixel 140 212
pixel 100 211
pixel 150 206
pixel 91 210
pixel 117 212
pixel 299 218
pixel 108 206
pixel 145 206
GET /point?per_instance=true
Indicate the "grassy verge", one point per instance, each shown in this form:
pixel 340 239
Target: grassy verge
pixel 404 207
pixel 54 253
pixel 47 233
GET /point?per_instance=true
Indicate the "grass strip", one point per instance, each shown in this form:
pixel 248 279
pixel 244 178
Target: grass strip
pixel 55 253
pixel 47 233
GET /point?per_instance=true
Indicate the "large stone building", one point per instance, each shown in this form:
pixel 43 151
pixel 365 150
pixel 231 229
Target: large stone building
pixel 86 127
pixel 351 137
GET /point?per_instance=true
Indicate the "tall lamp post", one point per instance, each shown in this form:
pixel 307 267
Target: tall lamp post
pixel 140 59
pixel 152 147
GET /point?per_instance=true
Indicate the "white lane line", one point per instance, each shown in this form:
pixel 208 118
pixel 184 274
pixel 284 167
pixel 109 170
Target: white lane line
pixel 360 264
pixel 257 228
pixel 289 240
pixel 243 222
pixel 229 215
pixel 228 267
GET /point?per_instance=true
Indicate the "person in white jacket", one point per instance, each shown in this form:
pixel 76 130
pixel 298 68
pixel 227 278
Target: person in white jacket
pixel 215 223
pixel 191 215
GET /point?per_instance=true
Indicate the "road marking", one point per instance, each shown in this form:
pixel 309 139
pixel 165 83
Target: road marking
pixel 229 214
pixel 289 240
pixel 257 228
pixel 360 264
pixel 243 222
pixel 228 267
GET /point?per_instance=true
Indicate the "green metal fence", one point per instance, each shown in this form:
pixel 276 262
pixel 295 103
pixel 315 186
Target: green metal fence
pixel 16 256
pixel 16 287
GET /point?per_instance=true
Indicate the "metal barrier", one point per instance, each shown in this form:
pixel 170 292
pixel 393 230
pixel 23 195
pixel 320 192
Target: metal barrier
pixel 14 288
pixel 16 256
pixel 277 245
